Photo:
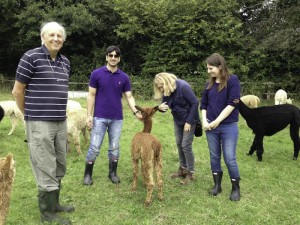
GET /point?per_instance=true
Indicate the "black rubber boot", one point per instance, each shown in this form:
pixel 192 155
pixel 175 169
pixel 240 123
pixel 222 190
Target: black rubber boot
pixel 235 192
pixel 88 173
pixel 47 201
pixel 217 176
pixel 58 206
pixel 112 175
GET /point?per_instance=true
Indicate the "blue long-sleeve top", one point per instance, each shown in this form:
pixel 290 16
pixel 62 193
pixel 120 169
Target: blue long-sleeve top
pixel 214 102
pixel 183 103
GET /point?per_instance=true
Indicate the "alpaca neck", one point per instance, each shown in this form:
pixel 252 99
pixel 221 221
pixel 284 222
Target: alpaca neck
pixel 147 126
pixel 244 110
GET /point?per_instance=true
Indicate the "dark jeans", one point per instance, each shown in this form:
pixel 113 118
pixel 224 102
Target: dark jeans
pixel 223 139
pixel 184 141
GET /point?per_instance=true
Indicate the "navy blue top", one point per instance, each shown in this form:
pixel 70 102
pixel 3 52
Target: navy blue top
pixel 214 102
pixel 183 103
pixel 110 87
pixel 46 93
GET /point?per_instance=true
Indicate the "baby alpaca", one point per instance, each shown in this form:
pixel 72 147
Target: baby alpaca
pixel 268 120
pixel 148 149
pixel 11 109
pixel 7 174
pixel 76 123
pixel 252 101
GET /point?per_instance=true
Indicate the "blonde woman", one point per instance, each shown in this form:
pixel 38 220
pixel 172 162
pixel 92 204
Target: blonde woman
pixel 177 95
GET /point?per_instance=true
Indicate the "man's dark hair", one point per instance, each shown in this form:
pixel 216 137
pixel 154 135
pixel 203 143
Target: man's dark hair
pixel 112 48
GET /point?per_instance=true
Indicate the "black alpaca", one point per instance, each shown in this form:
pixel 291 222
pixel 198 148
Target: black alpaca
pixel 1 113
pixel 268 120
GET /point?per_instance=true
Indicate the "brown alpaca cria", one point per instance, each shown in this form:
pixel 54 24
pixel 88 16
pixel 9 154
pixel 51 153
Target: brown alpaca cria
pixel 148 149
pixel 7 174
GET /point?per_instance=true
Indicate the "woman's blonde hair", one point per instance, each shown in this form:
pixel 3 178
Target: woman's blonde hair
pixel 168 83
pixel 217 60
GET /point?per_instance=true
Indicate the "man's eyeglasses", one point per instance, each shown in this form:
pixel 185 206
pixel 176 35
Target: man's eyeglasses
pixel 112 55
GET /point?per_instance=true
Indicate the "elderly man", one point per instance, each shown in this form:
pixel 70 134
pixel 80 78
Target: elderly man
pixel 41 93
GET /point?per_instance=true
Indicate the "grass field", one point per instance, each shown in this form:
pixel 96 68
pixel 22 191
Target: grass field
pixel 269 189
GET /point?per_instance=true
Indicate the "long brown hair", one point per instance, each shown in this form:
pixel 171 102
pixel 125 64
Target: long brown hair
pixel 217 60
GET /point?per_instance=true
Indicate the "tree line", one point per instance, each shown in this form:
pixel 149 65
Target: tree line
pixel 258 38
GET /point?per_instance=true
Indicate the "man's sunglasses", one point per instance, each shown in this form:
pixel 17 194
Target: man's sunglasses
pixel 112 55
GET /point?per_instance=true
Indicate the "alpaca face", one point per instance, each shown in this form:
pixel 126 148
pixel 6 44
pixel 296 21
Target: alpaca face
pixel 147 113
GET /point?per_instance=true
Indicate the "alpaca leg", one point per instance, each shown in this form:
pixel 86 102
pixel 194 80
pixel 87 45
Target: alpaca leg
pixel 260 147
pixel 135 169
pixel 84 134
pixel 76 137
pixel 159 176
pixel 69 137
pixel 148 177
pixel 13 120
pixel 294 133
pixel 253 147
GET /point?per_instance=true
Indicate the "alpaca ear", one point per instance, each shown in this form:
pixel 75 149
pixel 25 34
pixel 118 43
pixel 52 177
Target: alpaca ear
pixel 139 108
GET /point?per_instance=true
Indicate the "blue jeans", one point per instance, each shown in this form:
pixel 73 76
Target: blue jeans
pixel 184 141
pixel 223 138
pixel 100 126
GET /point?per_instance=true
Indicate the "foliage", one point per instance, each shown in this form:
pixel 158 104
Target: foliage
pixel 258 38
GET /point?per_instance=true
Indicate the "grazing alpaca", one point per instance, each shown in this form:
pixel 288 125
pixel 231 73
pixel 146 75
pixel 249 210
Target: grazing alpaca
pixel 148 149
pixel 7 174
pixel 252 101
pixel 268 120
pixel 11 109
pixel 280 97
pixel 76 124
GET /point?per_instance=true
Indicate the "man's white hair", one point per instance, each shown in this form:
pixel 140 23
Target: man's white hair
pixel 47 26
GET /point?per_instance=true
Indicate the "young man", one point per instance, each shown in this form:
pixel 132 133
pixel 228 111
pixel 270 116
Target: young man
pixel 104 108
pixel 41 93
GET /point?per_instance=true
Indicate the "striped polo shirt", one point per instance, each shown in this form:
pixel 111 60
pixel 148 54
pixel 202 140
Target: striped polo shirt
pixel 46 93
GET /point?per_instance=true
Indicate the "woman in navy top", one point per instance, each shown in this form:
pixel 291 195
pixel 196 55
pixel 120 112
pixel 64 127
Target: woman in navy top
pixel 220 117
pixel 178 95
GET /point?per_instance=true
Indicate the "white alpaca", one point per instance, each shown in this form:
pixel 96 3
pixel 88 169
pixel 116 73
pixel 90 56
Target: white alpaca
pixel 11 109
pixel 76 123
pixel 280 97
pixel 73 105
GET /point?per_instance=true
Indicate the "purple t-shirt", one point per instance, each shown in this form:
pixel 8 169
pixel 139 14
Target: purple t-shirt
pixel 214 101
pixel 110 87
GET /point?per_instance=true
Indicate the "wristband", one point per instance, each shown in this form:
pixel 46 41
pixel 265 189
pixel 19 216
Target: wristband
pixel 135 112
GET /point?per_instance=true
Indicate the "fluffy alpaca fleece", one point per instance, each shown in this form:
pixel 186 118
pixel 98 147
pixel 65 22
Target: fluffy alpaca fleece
pixel 252 101
pixel 73 105
pixel 7 174
pixel 147 149
pixel 281 98
pixel 268 120
pixel 11 109
pixel 76 124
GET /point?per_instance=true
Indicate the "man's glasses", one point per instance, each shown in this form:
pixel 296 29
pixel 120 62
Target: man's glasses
pixel 113 56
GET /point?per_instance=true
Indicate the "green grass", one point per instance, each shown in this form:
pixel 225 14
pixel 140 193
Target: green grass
pixel 269 189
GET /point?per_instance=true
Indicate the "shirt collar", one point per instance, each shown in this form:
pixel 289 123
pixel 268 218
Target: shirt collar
pixel 46 52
